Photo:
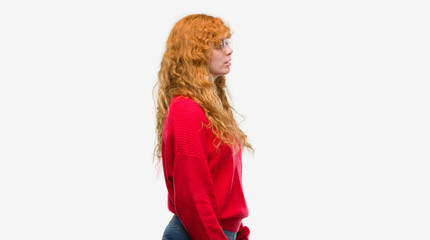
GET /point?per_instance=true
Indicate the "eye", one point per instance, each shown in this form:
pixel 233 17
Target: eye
pixel 222 43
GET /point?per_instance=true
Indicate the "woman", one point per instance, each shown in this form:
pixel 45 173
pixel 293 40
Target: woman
pixel 198 139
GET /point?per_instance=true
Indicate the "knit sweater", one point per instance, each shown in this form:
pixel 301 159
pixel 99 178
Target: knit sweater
pixel 204 184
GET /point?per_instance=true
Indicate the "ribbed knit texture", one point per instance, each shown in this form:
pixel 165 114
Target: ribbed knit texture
pixel 204 184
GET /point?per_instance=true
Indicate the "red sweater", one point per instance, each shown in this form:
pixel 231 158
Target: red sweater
pixel 204 185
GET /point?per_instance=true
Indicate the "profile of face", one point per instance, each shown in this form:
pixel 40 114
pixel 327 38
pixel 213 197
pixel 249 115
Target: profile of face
pixel 220 59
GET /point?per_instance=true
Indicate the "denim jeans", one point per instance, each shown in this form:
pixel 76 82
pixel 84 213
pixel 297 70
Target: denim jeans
pixel 176 231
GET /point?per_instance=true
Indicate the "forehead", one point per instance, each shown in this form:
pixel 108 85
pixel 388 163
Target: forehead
pixel 223 37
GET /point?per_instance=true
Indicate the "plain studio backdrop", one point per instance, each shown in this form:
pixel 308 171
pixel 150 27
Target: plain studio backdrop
pixel 335 94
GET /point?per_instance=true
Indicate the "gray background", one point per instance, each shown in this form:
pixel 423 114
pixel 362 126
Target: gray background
pixel 336 96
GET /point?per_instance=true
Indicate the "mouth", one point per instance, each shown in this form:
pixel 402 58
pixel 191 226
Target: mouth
pixel 228 62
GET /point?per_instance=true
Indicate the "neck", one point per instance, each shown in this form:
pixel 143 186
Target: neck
pixel 213 77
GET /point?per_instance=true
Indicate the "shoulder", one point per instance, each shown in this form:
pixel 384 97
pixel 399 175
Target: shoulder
pixel 185 106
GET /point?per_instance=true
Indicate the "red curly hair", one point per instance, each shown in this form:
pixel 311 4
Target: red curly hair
pixel 184 71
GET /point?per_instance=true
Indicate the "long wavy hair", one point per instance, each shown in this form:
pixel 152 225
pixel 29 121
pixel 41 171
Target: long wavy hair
pixel 184 71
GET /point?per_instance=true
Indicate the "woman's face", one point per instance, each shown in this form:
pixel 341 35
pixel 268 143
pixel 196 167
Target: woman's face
pixel 220 61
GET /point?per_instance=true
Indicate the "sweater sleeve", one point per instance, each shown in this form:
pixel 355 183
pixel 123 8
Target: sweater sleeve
pixel 194 195
pixel 243 233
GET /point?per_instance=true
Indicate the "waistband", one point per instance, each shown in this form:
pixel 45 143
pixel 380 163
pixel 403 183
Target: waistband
pixel 175 220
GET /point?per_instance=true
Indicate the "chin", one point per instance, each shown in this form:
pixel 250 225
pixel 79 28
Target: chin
pixel 222 73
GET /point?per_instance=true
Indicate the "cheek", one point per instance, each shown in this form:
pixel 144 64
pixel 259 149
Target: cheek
pixel 216 58
pixel 217 62
pixel 213 67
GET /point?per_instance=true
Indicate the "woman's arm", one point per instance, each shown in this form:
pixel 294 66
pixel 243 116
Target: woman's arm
pixel 194 195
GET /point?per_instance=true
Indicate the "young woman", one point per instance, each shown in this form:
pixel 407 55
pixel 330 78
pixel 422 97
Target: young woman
pixel 198 139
